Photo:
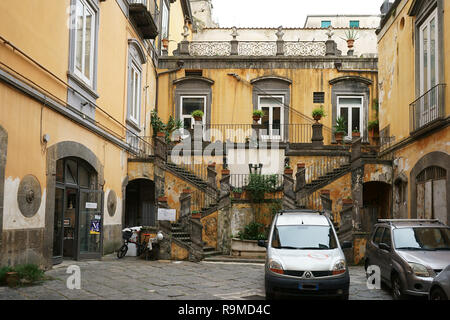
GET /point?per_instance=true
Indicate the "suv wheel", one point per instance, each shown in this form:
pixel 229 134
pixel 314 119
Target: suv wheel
pixel 397 288
pixel 438 294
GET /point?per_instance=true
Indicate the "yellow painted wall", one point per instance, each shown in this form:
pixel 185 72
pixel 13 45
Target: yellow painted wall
pixel 232 99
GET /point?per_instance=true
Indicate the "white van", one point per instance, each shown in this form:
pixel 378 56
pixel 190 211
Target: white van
pixel 304 257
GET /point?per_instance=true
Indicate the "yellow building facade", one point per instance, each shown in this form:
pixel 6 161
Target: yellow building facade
pixel 78 83
pixel 414 41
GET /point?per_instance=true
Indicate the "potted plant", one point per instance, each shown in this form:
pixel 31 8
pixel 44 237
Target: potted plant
pixel 318 113
pixel 196 214
pixel 187 190
pixel 165 43
pixel 356 133
pixel 350 37
pixel 257 115
pixel 237 193
pixel 171 126
pixel 157 125
pixel 197 115
pixel 225 171
pixel 347 200
pixel 373 127
pixel 288 170
pixel 340 129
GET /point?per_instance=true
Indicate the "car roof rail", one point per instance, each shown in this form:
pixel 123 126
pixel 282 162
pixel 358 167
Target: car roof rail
pixel 410 220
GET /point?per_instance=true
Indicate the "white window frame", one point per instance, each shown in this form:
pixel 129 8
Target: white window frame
pixel 135 91
pixel 350 115
pixel 80 73
pixel 270 135
pixel 188 116
pixel 427 109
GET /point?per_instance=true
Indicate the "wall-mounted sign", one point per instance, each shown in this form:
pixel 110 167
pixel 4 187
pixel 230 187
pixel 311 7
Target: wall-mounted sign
pixel 167 214
pixel 91 205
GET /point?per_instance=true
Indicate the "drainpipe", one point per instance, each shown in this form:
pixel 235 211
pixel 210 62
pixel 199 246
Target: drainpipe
pixel 180 66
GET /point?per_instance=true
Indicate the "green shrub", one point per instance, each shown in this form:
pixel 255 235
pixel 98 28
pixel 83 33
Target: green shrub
pixel 197 113
pixel 259 184
pixel 253 231
pixel 29 272
pixel 3 272
pixel 258 113
pixel 318 112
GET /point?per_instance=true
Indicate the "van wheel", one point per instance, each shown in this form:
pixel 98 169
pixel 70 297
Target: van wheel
pixel 397 288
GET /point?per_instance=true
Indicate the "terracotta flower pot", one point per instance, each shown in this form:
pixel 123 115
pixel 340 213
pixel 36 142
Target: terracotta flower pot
pixel 12 279
pixel 160 134
pixel 198 118
pixel 237 195
pixel 187 191
pixel 225 172
pixel 256 118
pixel 162 199
pixel 350 43
pixel 356 134
pixel 165 43
pixel 347 201
pixel 339 136
pixel 317 118
pixel 325 192
pixel 196 215
pixel 288 171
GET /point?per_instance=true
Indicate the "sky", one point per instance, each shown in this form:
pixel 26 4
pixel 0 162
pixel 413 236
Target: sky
pixel 288 13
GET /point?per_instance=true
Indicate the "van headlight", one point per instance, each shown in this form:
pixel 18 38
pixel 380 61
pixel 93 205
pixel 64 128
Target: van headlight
pixel 275 266
pixel 419 269
pixel 339 267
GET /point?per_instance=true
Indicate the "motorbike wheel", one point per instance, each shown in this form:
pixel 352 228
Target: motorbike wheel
pixel 122 251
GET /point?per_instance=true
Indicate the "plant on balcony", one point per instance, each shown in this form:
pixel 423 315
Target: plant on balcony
pixel 340 128
pixel 156 123
pixel 196 214
pixel 356 133
pixel 171 126
pixel 257 115
pixel 197 115
pixel 318 113
pixel 373 127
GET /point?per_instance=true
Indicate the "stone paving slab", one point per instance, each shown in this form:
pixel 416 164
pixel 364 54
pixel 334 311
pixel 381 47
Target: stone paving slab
pixel 136 279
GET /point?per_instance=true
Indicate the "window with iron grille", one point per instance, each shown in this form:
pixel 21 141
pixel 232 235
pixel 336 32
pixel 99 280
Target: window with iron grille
pixel 432 173
pixel 193 73
pixel 319 97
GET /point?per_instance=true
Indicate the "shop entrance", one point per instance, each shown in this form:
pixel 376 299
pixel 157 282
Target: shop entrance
pixel 78 217
pixel 140 207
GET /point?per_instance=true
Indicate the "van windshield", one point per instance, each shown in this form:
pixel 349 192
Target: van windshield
pixel 422 238
pixel 304 238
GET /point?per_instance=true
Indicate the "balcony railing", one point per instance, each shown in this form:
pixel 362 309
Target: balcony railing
pixel 145 16
pixel 140 147
pixel 242 133
pixel 428 108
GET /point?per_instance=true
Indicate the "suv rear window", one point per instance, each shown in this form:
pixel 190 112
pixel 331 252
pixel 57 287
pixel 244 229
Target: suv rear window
pixel 422 238
pixel 377 235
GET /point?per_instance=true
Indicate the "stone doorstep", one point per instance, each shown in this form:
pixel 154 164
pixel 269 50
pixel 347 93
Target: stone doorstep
pixel 234 259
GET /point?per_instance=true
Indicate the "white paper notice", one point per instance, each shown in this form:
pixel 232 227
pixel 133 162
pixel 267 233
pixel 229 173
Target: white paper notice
pixel 167 214
pixel 91 205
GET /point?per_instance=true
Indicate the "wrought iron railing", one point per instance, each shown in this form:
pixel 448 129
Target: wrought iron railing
pixel 151 6
pixel 323 166
pixel 242 133
pixel 140 147
pixel 428 107
pixel 190 165
pixel 241 181
pixel 201 201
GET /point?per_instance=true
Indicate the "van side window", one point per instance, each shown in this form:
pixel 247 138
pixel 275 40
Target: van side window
pixel 377 235
pixel 275 239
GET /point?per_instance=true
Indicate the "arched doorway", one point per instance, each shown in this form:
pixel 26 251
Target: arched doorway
pixel 376 203
pixel 78 219
pixel 140 207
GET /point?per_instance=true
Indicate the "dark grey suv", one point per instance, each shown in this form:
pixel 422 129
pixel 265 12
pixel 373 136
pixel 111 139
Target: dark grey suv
pixel 409 254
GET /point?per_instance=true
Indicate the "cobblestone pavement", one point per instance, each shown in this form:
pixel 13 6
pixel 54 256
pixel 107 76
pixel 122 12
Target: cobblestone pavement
pixel 135 279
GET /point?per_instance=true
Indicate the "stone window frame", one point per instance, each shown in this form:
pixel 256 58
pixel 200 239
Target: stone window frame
pixel 438 159
pixel 136 61
pixel 274 86
pixel 422 10
pixel 85 98
pixel 193 86
pixel 348 86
